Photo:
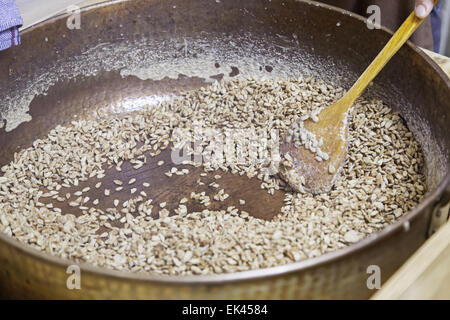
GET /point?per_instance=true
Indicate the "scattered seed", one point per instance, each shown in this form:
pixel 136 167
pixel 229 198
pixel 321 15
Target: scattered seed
pixel 331 169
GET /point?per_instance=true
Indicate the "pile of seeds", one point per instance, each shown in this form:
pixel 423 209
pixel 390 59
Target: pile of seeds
pixel 381 180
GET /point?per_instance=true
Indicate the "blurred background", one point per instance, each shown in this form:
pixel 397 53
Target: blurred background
pixel 34 11
pixel 445 46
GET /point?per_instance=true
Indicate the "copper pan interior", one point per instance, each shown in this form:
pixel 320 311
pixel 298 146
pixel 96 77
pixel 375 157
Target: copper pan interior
pixel 131 53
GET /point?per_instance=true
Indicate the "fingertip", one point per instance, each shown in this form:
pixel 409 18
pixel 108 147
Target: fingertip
pixel 421 11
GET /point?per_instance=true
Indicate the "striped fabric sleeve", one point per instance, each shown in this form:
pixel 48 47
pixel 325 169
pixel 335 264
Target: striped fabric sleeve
pixel 10 21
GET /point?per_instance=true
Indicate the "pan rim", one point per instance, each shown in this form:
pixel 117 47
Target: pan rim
pixel 432 198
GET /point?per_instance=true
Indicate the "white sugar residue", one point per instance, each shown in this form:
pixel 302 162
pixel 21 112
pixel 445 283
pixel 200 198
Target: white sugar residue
pixel 204 57
pixel 16 117
pixel 14 109
pixel 209 59
pixel 302 137
pixel 128 105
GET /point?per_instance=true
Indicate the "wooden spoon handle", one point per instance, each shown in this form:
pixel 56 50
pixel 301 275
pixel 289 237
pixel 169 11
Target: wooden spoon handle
pixel 398 39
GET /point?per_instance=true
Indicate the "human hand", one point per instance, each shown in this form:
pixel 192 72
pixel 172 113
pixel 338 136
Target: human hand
pixel 423 8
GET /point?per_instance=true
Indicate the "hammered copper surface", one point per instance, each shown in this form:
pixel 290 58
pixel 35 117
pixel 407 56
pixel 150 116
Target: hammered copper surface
pixel 410 83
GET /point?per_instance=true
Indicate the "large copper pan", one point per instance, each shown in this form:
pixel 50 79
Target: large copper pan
pixel 60 72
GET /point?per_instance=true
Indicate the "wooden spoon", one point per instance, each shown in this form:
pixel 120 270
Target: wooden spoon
pixel 300 167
